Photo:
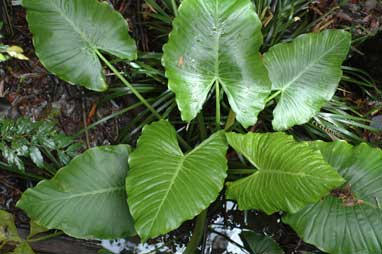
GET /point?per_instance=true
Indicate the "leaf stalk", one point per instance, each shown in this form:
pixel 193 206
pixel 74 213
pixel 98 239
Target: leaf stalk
pixel 218 117
pixel 126 83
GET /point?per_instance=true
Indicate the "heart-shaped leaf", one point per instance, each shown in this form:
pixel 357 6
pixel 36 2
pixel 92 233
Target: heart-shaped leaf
pixel 68 33
pixel 349 220
pixel 166 187
pixel 290 174
pixel 306 73
pixel 217 42
pixel 87 198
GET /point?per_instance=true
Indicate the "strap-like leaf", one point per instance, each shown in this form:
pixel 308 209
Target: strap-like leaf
pixel 67 33
pixel 87 198
pixel 166 187
pixel 217 40
pixel 290 174
pixel 350 220
pixel 306 73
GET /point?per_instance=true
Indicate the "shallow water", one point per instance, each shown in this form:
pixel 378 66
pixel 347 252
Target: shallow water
pixel 223 237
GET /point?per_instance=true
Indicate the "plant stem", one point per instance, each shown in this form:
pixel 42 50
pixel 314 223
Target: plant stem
pixel 230 120
pixel 45 237
pixel 84 120
pixel 126 83
pixel 49 171
pixel 183 142
pixel 174 7
pixel 118 113
pixel 136 93
pixel 202 126
pixel 228 238
pixel 197 233
pixel 217 91
pixel 200 222
pixel 273 96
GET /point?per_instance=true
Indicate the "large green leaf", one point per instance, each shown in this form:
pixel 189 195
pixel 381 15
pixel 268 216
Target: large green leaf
pixel 258 243
pixel 166 187
pixel 306 73
pixel 67 33
pixel 217 40
pixel 87 198
pixel 290 174
pixel 348 221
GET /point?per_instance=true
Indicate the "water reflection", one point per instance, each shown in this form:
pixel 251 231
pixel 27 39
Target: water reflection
pixel 225 224
pixel 223 234
pixel 124 246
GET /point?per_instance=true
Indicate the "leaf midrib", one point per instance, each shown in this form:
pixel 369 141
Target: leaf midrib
pixel 217 41
pixel 89 193
pixel 172 182
pixel 67 19
pixel 182 159
pixel 215 15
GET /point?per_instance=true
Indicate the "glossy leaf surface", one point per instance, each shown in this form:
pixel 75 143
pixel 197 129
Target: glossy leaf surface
pixel 67 33
pixel 166 187
pixel 349 221
pixel 290 174
pixel 217 40
pixel 306 73
pixel 87 198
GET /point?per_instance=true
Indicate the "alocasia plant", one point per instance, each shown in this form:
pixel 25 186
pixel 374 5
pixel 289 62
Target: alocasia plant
pixel 68 35
pixel 350 219
pixel 165 187
pixel 219 47
pixel 213 43
pixel 84 195
pixel 305 73
pixel 289 174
